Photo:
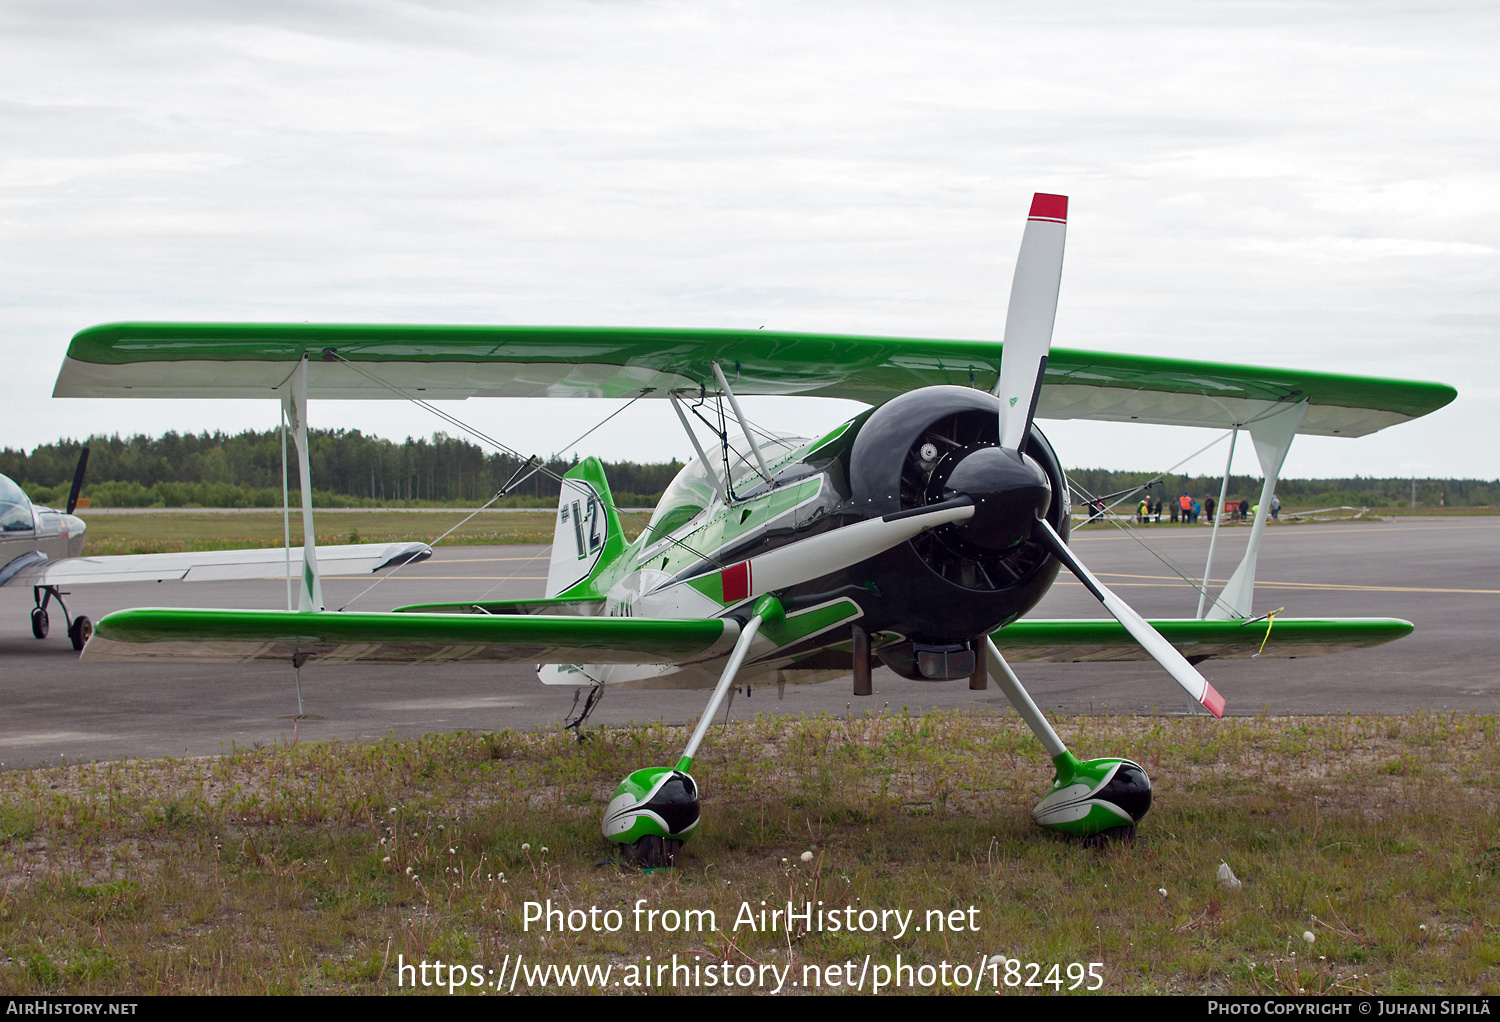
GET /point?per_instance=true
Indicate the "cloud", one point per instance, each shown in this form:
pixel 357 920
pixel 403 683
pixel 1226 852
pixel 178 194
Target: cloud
pixel 1308 185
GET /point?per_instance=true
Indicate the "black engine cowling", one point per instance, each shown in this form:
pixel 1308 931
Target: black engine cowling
pixel 956 581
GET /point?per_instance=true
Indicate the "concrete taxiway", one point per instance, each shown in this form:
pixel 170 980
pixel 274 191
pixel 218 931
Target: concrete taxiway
pixel 1442 574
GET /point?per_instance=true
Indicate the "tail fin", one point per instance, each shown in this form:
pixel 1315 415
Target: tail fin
pixel 587 538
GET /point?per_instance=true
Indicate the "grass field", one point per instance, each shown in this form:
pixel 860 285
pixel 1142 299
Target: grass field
pixel 323 867
pixel 165 532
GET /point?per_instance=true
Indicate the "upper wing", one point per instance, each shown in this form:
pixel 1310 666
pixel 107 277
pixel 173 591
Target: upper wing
pixel 338 638
pixel 215 565
pixel 253 359
pixel 1089 640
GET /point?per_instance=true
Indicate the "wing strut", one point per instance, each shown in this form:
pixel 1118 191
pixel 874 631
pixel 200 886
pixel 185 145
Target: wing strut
pixel 286 513
pixel 719 484
pixel 1213 536
pixel 1273 436
pixel 734 403
pixel 294 404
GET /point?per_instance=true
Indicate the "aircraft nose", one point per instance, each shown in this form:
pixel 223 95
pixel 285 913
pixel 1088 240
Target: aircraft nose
pixel 1009 490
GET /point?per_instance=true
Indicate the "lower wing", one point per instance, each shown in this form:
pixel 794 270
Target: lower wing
pixel 213 565
pixel 1083 641
pixel 244 636
pixel 532 638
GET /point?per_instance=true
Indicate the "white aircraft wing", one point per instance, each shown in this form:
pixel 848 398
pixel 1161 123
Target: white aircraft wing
pixel 214 565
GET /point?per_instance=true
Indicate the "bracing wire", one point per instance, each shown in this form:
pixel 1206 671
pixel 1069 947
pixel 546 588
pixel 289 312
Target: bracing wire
pixel 1125 527
pixel 435 542
pixel 506 449
pixel 523 566
pixel 1132 533
pixel 1124 495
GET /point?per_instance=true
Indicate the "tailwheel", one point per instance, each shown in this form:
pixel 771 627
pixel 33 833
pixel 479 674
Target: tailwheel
pixel 653 812
pixel 39 622
pixel 80 631
pixel 1101 800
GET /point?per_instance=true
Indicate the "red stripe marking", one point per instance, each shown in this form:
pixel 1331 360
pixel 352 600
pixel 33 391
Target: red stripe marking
pixel 736 582
pixel 1212 701
pixel 1049 207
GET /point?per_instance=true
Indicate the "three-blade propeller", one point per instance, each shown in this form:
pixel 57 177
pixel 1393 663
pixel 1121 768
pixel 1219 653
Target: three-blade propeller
pixel 1023 360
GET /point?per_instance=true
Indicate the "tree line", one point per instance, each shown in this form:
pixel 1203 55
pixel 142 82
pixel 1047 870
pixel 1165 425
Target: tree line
pixel 350 469
pixel 1358 491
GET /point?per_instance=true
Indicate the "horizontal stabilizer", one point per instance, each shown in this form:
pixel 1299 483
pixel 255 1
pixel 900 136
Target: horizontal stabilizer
pixel 243 636
pixel 1084 641
pixel 554 608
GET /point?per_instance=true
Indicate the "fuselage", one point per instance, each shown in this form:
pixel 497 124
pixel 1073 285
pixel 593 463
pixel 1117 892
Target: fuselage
pixel 27 528
pixel 939 592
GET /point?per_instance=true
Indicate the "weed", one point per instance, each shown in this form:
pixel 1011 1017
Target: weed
pixel 318 867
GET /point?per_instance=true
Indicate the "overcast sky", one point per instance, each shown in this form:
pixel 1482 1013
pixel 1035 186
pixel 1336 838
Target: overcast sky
pixel 1300 184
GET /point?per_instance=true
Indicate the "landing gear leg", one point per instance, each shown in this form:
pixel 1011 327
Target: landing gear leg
pixel 1095 800
pixel 656 809
pixel 80 628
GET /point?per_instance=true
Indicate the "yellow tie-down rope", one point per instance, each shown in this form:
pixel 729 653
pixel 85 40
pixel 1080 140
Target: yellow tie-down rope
pixel 1270 620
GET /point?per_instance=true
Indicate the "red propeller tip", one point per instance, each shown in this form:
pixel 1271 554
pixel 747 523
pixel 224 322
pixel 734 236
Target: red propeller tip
pixel 1049 207
pixel 1212 701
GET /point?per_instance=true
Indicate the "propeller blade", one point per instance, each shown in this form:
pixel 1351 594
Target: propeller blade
pixel 83 464
pixel 1028 322
pixel 1184 673
pixel 833 551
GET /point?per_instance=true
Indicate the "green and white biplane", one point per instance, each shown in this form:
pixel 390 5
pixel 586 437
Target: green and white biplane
pixel 917 534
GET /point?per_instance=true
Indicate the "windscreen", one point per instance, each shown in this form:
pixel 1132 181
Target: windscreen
pixel 15 509
pixel 693 489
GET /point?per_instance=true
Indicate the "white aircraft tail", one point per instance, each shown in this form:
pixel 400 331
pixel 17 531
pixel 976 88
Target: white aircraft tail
pixel 587 538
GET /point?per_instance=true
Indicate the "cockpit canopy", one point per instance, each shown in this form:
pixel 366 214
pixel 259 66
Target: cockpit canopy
pixel 15 508
pixel 693 490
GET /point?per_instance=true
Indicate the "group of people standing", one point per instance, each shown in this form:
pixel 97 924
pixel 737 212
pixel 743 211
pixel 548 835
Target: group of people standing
pixel 1187 509
pixel 1180 509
